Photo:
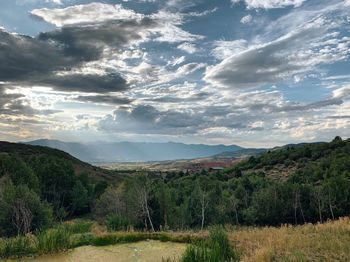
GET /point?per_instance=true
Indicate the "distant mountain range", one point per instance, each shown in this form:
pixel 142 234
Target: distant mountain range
pixel 135 151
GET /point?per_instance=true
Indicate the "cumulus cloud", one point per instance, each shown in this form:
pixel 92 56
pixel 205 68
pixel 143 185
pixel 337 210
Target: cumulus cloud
pixel 89 41
pixel 50 58
pixel 146 119
pixel 23 56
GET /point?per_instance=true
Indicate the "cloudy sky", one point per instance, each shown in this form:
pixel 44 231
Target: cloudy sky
pixel 248 72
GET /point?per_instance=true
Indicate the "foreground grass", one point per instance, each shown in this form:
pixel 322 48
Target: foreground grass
pixel 322 242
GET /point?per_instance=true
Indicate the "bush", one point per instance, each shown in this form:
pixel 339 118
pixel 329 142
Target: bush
pixel 216 249
pixel 25 206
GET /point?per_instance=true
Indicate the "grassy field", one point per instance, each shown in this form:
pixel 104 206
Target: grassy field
pixel 322 242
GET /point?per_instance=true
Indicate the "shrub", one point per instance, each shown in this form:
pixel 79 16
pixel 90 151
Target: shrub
pixel 216 249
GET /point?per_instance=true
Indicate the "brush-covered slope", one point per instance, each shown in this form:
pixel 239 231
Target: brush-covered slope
pixel 31 153
pixel 306 160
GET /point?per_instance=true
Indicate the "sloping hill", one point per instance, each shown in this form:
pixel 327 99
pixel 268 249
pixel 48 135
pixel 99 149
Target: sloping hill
pixel 297 159
pixel 28 151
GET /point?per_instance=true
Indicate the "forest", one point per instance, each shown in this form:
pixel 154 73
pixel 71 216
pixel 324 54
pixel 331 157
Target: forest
pixel 38 190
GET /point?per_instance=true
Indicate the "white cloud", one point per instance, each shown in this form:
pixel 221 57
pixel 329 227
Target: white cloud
pixel 188 47
pixel 89 13
pixel 57 2
pixel 269 4
pixel 169 29
pixel 223 49
pixel 177 61
pixel 246 19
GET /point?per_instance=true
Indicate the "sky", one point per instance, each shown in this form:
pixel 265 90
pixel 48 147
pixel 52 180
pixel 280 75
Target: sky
pixel 257 73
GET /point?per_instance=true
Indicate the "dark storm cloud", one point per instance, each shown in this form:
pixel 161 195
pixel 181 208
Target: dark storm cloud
pixel 23 57
pixel 105 99
pixel 88 41
pixel 36 61
pixel 85 82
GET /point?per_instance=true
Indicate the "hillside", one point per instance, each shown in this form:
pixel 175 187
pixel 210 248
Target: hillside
pixel 296 159
pixel 29 151
pixel 40 185
pixel 135 151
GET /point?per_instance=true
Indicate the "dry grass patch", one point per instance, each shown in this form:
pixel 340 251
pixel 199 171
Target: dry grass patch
pixel 322 242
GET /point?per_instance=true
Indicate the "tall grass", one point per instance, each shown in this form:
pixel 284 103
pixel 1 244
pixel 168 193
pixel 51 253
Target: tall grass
pixel 59 238
pixel 321 242
pixel 17 246
pixel 53 240
pixel 216 249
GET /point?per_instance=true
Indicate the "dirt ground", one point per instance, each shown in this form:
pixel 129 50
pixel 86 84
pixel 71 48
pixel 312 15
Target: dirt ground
pixel 145 251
